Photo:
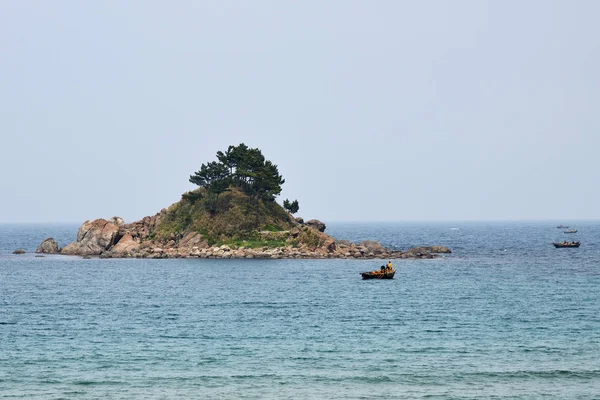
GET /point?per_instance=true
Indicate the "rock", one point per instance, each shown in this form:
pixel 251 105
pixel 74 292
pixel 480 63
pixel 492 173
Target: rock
pixel 118 221
pixel 299 220
pixel 39 255
pixel 125 245
pixel 438 249
pixel 330 245
pixel 93 238
pixel 318 225
pixel 87 257
pixel 48 246
pixel 19 251
pixel 372 246
pixel 418 252
pixel 194 239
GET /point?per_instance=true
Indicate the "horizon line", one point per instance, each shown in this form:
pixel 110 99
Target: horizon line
pixel 553 220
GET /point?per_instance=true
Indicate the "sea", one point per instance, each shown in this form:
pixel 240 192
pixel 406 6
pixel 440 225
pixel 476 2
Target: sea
pixel 505 316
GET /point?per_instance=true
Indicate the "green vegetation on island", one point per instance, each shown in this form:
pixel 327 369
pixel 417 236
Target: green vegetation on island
pixel 234 202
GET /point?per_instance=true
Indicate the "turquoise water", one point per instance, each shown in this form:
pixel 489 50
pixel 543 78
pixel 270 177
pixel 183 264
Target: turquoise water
pixel 506 316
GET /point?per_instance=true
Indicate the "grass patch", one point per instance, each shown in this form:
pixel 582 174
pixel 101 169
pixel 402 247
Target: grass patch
pixel 272 228
pixel 236 219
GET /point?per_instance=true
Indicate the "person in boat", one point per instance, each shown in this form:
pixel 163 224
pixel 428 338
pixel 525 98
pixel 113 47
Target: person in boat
pixel 389 266
pixel 382 269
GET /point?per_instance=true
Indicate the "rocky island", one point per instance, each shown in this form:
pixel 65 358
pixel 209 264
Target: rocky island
pixel 232 214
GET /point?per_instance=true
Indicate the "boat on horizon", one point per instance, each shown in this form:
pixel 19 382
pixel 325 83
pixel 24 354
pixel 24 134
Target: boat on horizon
pixel 571 231
pixel 378 274
pixel 562 227
pixel 566 244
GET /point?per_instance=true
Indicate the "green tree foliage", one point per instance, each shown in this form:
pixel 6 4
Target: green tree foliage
pixel 213 176
pixel 292 207
pixel 242 167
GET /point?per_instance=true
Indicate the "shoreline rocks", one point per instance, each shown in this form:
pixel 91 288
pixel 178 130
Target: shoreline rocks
pixel 115 239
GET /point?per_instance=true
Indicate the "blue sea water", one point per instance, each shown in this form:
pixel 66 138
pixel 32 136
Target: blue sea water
pixel 506 316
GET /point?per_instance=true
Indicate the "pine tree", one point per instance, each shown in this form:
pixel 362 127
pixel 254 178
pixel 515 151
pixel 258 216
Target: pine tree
pixel 292 207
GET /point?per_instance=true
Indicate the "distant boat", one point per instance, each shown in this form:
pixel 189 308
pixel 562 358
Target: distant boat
pixel 571 231
pixel 566 244
pixel 562 227
pixel 378 274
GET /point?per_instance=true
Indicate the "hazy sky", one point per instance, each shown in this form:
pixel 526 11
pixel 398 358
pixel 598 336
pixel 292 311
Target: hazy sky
pixel 373 110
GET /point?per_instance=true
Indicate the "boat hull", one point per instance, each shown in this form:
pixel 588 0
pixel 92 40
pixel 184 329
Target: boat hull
pixel 564 246
pixel 378 275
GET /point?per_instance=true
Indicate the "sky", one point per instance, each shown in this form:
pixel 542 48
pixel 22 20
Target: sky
pixel 373 110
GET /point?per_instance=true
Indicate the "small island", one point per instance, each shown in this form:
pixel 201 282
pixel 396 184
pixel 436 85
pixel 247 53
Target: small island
pixel 232 214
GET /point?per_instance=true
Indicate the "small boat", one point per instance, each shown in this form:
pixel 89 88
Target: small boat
pixel 566 244
pixel 571 231
pixel 378 274
pixel 562 227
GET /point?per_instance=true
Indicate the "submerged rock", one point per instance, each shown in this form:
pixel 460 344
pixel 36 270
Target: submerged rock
pixel 19 251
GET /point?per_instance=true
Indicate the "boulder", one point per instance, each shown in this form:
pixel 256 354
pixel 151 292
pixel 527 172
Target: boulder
pixel 19 251
pixel 93 238
pixel 372 246
pixel 299 220
pixel 118 221
pixel 125 245
pixel 330 245
pixel 438 249
pixel 318 225
pixel 48 246
pixel 194 239
pixel 418 252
